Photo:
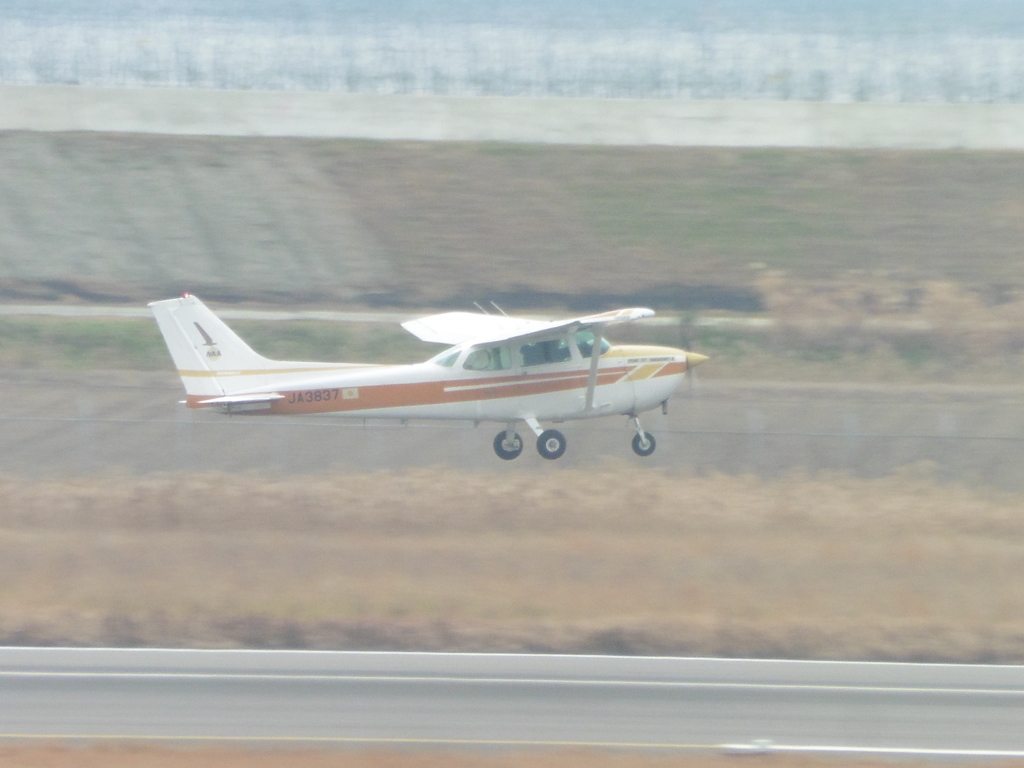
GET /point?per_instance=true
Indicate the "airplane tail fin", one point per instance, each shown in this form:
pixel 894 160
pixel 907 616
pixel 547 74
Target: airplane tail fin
pixel 202 346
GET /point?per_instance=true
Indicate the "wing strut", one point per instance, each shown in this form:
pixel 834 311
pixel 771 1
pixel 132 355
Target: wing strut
pixel 595 361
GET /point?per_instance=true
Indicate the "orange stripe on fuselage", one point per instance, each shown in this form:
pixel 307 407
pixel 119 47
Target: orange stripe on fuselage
pixel 382 396
pixel 376 396
pixel 227 374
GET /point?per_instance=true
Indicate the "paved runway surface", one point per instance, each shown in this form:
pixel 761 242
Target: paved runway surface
pixel 54 424
pixel 480 699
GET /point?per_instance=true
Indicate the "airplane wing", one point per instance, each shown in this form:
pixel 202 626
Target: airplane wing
pixel 459 327
pixel 479 329
pixel 596 322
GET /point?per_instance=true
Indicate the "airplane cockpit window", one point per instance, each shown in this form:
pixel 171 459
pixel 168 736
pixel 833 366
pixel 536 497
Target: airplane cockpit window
pixel 585 342
pixel 544 352
pixel 448 360
pixel 490 359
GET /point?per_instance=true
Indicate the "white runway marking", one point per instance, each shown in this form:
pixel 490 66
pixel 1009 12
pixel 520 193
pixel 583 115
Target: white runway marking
pixel 685 684
pixel 753 748
pixel 909 751
pixel 371 740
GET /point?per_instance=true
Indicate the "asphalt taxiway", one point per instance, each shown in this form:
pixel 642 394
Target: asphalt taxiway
pixel 502 699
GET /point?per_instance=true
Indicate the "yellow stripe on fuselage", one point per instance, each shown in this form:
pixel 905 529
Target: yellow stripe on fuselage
pixel 197 374
pixel 645 371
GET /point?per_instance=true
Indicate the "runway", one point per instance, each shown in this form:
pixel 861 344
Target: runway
pixel 61 424
pixel 481 700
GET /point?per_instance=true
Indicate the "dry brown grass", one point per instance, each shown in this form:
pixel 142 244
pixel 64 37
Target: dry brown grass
pixel 977 321
pixel 128 756
pixel 617 560
pixel 869 328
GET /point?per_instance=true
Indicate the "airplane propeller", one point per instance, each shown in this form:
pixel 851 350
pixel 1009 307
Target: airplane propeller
pixel 693 359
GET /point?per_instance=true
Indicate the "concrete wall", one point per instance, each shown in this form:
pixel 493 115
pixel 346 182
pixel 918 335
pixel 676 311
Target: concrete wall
pixel 540 120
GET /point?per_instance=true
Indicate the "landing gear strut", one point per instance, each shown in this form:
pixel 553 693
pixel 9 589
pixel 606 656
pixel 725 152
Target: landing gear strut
pixel 643 442
pixel 507 443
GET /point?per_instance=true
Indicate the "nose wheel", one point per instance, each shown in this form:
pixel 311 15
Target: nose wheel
pixel 643 442
pixel 644 446
pixel 508 446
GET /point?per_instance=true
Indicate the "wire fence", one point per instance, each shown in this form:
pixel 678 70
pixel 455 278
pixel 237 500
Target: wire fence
pixel 476 59
pixel 88 444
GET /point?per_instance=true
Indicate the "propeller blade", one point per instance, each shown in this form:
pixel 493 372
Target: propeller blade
pixel 692 361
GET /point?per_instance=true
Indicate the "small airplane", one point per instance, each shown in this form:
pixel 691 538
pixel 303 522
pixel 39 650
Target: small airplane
pixel 495 368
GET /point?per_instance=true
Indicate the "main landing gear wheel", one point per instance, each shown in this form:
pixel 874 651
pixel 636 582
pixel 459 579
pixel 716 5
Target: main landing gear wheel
pixel 551 444
pixel 644 446
pixel 506 449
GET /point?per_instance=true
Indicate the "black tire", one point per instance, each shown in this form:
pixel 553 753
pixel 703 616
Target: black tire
pixel 638 446
pixel 551 444
pixel 502 451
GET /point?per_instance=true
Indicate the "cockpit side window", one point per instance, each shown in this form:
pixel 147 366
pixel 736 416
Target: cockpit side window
pixel 585 342
pixel 544 352
pixel 489 359
pixel 448 360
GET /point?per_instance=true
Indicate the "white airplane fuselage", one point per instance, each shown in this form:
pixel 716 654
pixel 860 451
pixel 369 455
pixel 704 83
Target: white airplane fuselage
pixel 630 379
pixel 501 369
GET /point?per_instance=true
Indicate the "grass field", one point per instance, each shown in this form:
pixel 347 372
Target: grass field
pixel 876 265
pixel 85 344
pixel 621 561
pixel 796 350
pixel 426 224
